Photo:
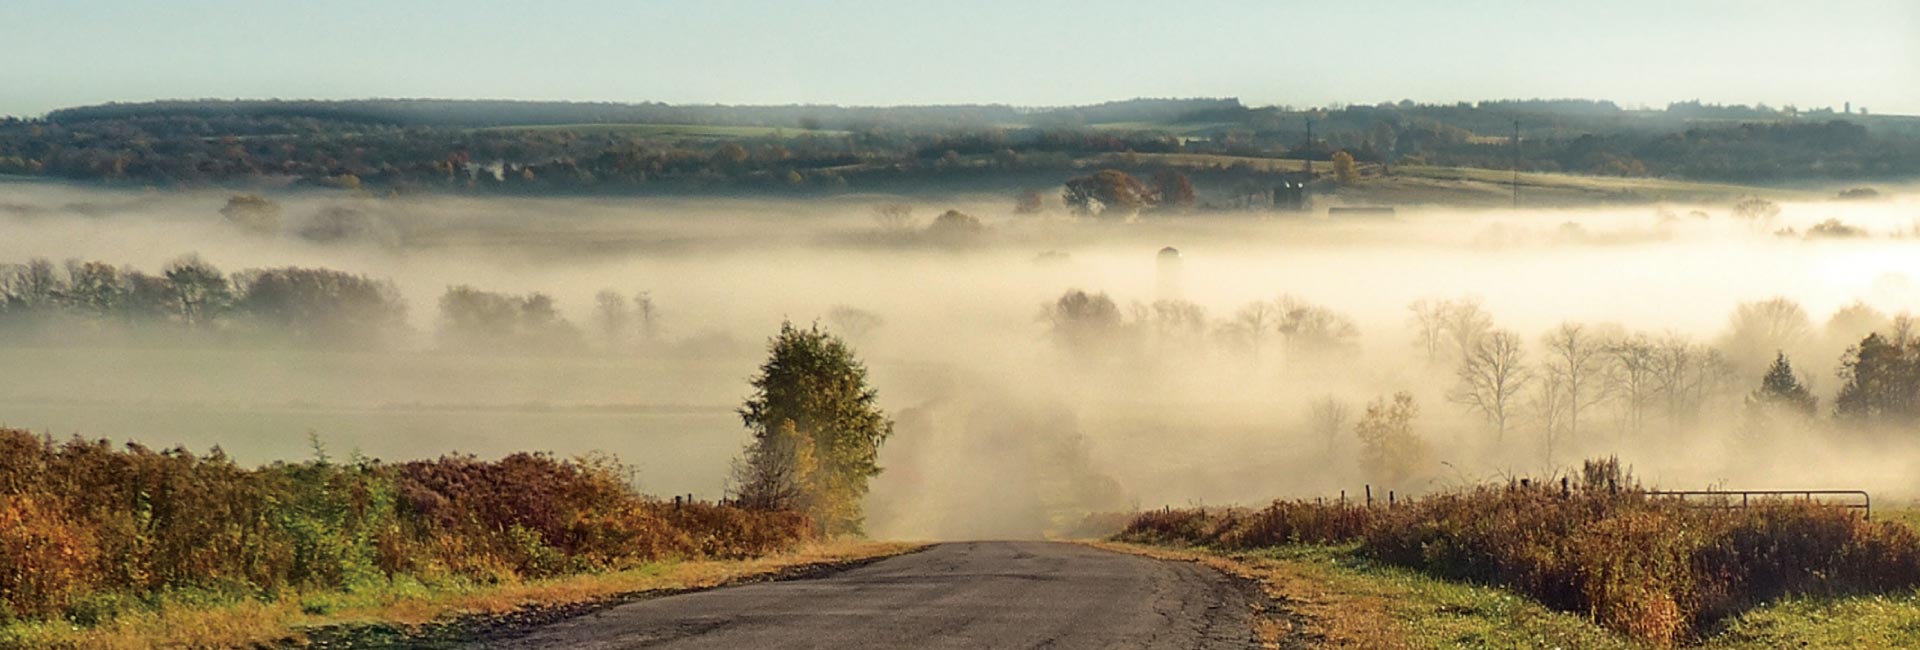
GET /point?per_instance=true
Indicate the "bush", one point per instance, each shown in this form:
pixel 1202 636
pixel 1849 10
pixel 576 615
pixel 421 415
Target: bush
pixel 1659 570
pixel 87 531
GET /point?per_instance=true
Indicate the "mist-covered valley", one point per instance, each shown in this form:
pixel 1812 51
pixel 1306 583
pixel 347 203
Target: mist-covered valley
pixel 1205 374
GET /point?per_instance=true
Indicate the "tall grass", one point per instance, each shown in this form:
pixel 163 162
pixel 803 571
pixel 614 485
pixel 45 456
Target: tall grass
pixel 1661 571
pixel 88 530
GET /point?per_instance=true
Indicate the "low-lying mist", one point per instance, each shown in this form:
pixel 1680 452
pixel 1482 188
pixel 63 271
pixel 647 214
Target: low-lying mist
pixel 1176 377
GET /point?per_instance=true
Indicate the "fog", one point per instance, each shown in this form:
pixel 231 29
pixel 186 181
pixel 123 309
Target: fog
pixel 1007 425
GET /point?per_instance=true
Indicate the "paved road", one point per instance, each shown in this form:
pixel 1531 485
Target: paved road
pixel 961 595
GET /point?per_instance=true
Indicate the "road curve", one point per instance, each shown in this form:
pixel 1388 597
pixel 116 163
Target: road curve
pixel 959 595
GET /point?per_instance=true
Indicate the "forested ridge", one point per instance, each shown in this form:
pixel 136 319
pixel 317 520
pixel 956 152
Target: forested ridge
pixel 482 145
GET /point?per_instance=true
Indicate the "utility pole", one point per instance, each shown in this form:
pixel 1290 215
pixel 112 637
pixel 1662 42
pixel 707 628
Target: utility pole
pixel 1516 162
pixel 1309 148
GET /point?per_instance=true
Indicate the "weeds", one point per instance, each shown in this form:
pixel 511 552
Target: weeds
pixel 1660 571
pixel 88 532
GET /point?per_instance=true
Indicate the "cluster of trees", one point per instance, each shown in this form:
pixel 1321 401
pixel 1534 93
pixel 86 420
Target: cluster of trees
pixel 304 306
pixel 575 147
pixel 192 300
pixel 1562 388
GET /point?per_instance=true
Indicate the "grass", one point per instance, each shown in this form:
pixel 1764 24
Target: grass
pixel 1331 596
pixel 184 621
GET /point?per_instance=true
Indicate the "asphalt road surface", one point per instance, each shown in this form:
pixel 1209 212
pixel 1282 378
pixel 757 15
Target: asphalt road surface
pixel 960 595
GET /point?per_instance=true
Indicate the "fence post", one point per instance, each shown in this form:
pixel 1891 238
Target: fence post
pixel 1564 490
pixel 1369 495
pixel 1343 498
pixel 676 502
pixel 1390 498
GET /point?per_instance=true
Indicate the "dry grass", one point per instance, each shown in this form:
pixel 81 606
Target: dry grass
pixel 1659 571
pixel 250 622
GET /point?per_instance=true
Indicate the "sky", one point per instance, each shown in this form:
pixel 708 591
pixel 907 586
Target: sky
pixel 1034 52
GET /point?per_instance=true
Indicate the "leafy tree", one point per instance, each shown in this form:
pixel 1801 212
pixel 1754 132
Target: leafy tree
pixel 1172 189
pixel 813 382
pixel 893 217
pixel 1029 202
pixel 614 316
pixel 1390 452
pixel 1781 388
pixel 1345 171
pixel 1083 323
pixel 199 291
pixel 955 227
pixel 1880 381
pixel 1107 192
pixel 253 213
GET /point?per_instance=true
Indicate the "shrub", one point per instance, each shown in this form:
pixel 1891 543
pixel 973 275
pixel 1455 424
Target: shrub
pixel 87 531
pixel 1657 569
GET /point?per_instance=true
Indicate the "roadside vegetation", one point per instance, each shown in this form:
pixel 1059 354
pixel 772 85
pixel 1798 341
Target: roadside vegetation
pixel 1656 570
pixel 105 547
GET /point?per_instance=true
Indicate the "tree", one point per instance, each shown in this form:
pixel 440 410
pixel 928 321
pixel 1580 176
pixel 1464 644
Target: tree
pixel 1429 326
pixel 1327 418
pixel 812 380
pixel 955 227
pixel 252 213
pixel 1083 323
pixel 614 315
pixel 1029 202
pixel 1756 209
pixel 199 291
pixel 1781 389
pixel 1764 327
pixel 1633 364
pixel 1390 452
pixel 1108 192
pixel 1315 332
pixel 1172 189
pixel 1573 360
pixel 1880 380
pixel 1491 377
pixel 779 472
pixel 1345 171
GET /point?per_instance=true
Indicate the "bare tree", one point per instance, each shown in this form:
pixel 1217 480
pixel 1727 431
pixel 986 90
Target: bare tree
pixel 1465 323
pixel 614 315
pixel 1573 358
pixel 853 322
pixel 1491 377
pixel 1327 418
pixel 1633 376
pixel 1429 328
pixel 1760 329
pixel 1548 404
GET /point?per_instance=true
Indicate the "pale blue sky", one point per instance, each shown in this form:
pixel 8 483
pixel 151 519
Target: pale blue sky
pixel 57 53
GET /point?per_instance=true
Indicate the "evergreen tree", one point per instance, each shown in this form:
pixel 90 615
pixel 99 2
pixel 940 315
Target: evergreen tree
pixel 1782 388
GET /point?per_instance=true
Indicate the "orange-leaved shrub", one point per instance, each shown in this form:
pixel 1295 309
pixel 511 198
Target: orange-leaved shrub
pixel 1657 569
pixel 81 520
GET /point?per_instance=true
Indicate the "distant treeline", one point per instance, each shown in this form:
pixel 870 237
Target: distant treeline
pixel 558 146
pixel 191 301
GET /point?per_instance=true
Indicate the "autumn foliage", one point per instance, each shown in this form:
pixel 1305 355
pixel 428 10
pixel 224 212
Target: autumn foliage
pixel 1656 569
pixel 86 528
